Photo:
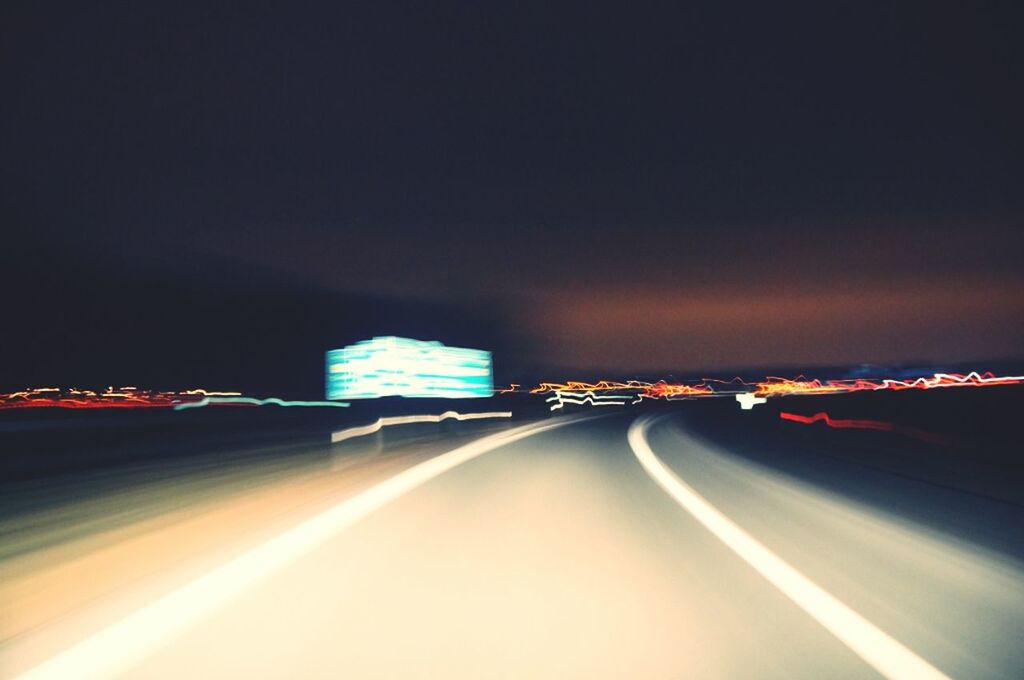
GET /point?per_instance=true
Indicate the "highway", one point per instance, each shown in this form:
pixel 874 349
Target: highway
pixel 620 546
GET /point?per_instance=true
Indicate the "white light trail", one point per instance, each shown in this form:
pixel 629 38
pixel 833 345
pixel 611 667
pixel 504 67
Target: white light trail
pixel 562 397
pixel 272 401
pixel 749 400
pixel 117 648
pixel 879 650
pixel 363 430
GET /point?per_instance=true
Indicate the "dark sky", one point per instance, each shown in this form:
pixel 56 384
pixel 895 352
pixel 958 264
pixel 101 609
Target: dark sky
pixel 677 186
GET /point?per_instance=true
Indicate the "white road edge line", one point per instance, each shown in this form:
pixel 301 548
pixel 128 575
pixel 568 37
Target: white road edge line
pixel 879 650
pixel 122 645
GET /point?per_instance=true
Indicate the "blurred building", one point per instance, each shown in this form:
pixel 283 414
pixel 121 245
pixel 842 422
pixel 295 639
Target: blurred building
pixel 401 367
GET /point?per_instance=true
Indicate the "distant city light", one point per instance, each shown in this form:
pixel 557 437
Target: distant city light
pixel 401 367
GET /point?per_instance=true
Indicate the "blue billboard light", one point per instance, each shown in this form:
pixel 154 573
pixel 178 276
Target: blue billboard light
pixel 401 367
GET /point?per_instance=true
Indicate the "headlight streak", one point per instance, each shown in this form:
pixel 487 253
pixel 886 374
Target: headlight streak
pixel 562 397
pixel 363 430
pixel 749 400
pixel 250 401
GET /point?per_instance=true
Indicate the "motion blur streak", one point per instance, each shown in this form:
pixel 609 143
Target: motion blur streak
pixel 882 652
pixel 561 398
pixel 840 423
pixel 774 386
pixel 579 386
pixel 780 386
pixel 115 649
pixel 376 426
pixel 124 397
pixel 250 401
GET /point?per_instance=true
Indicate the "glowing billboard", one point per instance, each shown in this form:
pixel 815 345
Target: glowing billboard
pixel 401 367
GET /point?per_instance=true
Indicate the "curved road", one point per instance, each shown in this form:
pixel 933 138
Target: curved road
pixel 557 555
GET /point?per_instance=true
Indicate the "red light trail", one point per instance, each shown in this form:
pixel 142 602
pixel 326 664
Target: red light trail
pixel 123 397
pixel 881 425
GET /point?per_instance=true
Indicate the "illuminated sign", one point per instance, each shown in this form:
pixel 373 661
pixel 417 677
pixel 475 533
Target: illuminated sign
pixel 401 367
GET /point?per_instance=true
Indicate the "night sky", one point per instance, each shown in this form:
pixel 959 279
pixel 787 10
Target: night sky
pixel 191 192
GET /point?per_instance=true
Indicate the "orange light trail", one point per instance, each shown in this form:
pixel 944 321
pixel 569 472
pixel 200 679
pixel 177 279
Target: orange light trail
pixel 780 386
pixel 122 397
pixel 771 386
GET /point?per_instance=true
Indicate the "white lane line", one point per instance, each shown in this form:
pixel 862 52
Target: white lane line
pixel 363 430
pixel 883 653
pixel 117 648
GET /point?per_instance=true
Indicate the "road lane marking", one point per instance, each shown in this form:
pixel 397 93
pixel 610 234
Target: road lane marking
pixel 116 649
pixel 879 650
pixel 363 430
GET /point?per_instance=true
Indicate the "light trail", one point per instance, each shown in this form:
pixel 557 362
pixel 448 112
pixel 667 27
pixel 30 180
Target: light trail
pixel 771 386
pixel 561 397
pixel 385 421
pixel 748 400
pixel 133 397
pixel 882 652
pixel 250 401
pixel 117 648
pixel 774 386
pixel 580 386
pixel 881 425
pixel 122 397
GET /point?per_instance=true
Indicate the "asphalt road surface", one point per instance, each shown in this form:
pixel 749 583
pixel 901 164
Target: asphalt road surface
pixel 610 547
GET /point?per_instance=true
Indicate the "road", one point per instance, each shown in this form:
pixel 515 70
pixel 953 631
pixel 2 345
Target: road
pixel 554 553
